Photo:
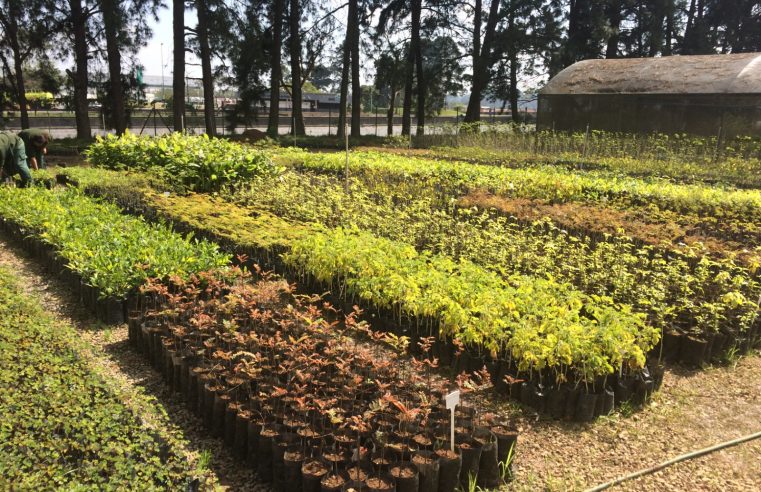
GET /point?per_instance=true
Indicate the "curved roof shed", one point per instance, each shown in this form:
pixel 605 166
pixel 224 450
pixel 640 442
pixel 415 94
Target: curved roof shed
pixel 695 94
pixel 701 74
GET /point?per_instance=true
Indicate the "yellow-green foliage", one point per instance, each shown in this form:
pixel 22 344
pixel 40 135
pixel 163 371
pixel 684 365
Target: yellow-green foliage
pixel 247 226
pixel 108 250
pixel 550 183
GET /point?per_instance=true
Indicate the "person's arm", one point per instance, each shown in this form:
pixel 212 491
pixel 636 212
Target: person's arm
pixel 33 161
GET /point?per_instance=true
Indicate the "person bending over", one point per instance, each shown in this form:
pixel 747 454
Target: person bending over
pixel 36 146
pixel 13 158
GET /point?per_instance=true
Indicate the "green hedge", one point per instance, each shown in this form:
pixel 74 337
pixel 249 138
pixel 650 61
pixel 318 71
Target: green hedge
pixel 196 163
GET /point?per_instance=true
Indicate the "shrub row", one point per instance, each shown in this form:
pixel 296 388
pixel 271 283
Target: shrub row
pixel 543 326
pixel 109 251
pixel 734 171
pixel 550 183
pixel 197 163
pixel 304 404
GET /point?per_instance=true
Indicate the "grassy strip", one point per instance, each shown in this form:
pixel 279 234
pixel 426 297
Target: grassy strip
pixel 63 426
pixel 109 251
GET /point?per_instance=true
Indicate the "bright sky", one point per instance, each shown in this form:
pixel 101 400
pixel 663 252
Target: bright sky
pixel 151 55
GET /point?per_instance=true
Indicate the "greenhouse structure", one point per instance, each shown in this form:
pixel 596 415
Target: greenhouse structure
pixel 701 95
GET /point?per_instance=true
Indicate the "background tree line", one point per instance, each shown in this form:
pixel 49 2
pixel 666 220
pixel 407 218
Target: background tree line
pixel 413 52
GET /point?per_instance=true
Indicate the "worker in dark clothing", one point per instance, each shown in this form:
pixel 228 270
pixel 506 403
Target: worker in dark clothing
pixel 13 158
pixel 36 146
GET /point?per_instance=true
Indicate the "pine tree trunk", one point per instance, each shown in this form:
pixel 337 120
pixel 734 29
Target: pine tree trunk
pixel 178 78
pixel 480 69
pixel 275 69
pixel 79 22
pixel 407 100
pixel 689 30
pixel 206 74
pixel 514 87
pixel 111 24
pixel 416 45
pixel 356 88
pixel 614 21
pixel 409 80
pixel 18 72
pixel 344 89
pixel 473 111
pixel 297 117
pixel 658 16
pixel 390 116
pixel 667 49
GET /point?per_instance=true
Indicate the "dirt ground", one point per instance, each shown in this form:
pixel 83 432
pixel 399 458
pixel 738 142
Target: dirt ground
pixel 693 410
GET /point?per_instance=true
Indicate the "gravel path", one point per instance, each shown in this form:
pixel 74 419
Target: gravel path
pixel 693 410
pixel 138 383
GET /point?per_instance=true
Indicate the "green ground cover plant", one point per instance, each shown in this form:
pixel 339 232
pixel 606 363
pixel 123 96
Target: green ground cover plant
pixel 109 251
pixel 63 427
pixel 197 163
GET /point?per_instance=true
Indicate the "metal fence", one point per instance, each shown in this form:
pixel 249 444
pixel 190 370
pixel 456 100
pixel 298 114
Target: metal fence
pixel 156 122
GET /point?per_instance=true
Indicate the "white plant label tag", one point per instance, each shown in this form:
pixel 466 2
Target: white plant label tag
pixel 451 400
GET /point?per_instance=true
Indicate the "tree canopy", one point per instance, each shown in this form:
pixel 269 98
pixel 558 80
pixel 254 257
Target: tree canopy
pixel 410 54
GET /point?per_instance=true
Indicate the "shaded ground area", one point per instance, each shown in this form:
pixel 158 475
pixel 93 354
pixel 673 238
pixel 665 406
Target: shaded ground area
pixel 692 411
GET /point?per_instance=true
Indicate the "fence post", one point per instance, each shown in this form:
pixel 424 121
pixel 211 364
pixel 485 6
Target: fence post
pixel 717 152
pixel 330 114
pixel 586 141
pixel 346 167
